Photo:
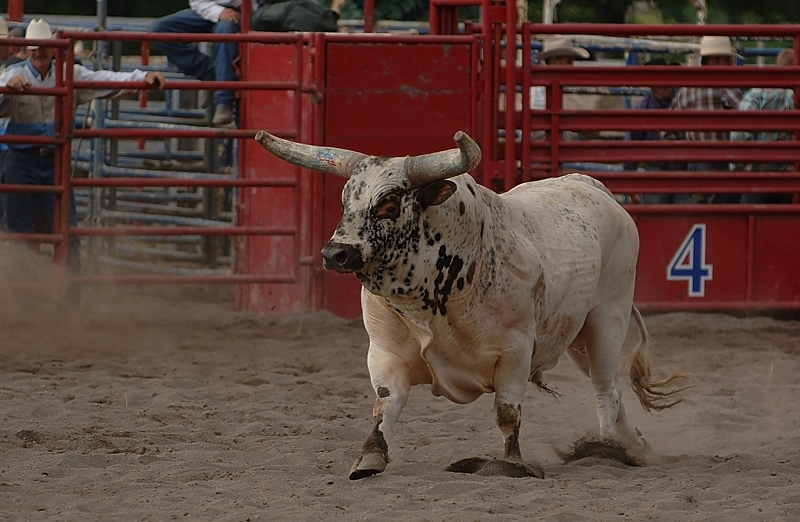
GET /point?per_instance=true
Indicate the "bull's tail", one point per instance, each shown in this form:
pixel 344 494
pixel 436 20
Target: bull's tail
pixel 651 395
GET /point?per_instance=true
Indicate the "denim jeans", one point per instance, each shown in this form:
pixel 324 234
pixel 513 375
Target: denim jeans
pixel 28 212
pixel 188 58
pixel 717 199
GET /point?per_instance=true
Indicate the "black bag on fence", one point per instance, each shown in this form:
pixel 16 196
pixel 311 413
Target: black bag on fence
pixel 295 15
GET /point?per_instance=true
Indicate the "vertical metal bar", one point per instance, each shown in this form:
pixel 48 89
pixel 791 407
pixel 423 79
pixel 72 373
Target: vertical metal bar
pixel 751 256
pixel 525 139
pixel 315 195
pixel 369 16
pixel 511 95
pixel 16 8
pixel 554 105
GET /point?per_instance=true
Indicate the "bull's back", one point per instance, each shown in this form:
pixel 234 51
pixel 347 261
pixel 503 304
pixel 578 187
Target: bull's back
pixel 582 233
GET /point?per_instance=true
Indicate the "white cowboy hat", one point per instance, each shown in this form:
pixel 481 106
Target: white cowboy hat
pixel 717 46
pixel 5 33
pixel 557 46
pixel 38 29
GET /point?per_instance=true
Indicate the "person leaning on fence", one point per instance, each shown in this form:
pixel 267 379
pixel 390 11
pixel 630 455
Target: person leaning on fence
pixel 714 51
pixel 34 115
pixel 657 98
pixel 206 16
pixel 556 50
pixel 767 99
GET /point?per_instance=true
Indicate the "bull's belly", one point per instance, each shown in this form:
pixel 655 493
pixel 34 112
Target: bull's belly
pixel 463 374
pixel 461 380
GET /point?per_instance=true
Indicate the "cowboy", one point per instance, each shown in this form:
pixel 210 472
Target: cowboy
pixel 714 51
pixel 556 50
pixel 34 115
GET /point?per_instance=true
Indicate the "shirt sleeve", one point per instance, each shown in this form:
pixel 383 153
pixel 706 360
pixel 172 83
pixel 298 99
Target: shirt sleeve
pixel 208 9
pixel 731 98
pixel 81 73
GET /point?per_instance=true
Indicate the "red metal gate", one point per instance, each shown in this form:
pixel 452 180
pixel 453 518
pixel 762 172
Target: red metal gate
pixel 383 96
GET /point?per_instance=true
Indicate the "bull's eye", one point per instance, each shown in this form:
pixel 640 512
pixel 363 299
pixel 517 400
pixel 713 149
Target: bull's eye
pixel 388 209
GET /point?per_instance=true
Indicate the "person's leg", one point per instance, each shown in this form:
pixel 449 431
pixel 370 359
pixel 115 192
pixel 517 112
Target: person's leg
pixel 225 55
pixel 723 199
pixel 759 199
pixel 656 199
pixel 20 214
pixel 186 57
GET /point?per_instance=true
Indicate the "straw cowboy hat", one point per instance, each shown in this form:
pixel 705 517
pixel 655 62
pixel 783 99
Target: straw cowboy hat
pixel 717 46
pixel 38 29
pixel 5 33
pixel 558 46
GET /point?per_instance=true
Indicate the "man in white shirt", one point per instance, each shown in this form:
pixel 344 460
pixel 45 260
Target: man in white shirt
pixel 34 115
pixel 205 16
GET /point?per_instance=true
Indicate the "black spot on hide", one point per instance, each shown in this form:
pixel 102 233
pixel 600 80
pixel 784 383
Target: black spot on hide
pixel 448 269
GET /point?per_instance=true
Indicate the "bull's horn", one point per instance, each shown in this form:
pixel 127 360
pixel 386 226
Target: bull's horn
pixel 324 159
pixel 424 169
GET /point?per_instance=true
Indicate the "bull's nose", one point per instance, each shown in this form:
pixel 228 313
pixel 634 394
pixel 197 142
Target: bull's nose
pixel 341 257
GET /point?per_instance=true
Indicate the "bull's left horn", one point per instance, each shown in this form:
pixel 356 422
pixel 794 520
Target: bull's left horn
pixel 424 169
pixel 314 157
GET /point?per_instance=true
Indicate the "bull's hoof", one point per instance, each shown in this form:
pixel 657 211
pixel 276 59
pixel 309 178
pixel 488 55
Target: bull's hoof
pixel 604 449
pixel 494 467
pixel 367 465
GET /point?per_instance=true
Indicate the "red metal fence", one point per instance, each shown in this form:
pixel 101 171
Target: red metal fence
pixel 398 95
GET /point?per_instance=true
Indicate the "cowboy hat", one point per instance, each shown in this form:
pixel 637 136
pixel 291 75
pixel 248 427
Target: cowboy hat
pixel 557 46
pixel 5 33
pixel 38 29
pixel 717 46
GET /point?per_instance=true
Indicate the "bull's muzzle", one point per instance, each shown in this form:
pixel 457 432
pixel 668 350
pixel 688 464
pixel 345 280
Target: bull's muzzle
pixel 341 257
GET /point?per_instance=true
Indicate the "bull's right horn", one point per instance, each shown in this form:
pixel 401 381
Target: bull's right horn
pixel 427 168
pixel 314 157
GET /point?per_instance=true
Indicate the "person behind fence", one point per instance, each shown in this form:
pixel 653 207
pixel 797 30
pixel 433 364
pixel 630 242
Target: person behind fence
pixel 206 16
pixel 770 99
pixel 7 57
pixel 714 51
pixel 658 97
pixel 34 115
pixel 557 50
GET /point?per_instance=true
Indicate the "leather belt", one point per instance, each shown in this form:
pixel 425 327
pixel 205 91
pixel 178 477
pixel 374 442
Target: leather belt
pixel 38 151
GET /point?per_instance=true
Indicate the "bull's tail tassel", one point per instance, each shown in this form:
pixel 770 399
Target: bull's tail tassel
pixel 651 393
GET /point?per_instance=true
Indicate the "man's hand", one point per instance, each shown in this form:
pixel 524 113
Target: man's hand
pixel 230 15
pixel 156 79
pixel 17 83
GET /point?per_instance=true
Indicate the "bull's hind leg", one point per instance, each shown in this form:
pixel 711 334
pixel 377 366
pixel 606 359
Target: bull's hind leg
pixel 604 332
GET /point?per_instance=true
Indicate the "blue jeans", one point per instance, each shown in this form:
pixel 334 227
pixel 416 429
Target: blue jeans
pixel 188 58
pixel 28 212
pixel 717 199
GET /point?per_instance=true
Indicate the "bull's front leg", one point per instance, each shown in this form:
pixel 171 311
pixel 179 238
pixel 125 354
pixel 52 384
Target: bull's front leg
pixel 510 381
pixel 391 383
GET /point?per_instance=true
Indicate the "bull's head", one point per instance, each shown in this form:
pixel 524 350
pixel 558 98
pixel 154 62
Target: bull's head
pixel 381 231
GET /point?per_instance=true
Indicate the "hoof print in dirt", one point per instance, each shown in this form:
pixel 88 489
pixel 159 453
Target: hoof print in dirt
pixel 494 467
pixel 604 449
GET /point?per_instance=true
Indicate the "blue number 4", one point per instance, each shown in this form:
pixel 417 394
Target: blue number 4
pixel 689 262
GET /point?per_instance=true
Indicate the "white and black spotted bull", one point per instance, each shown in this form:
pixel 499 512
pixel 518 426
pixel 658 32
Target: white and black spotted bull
pixel 474 292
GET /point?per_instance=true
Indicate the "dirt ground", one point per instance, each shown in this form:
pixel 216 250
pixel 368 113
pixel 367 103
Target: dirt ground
pixel 164 402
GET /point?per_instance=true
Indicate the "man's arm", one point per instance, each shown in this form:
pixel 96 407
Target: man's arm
pixel 154 79
pixel 211 10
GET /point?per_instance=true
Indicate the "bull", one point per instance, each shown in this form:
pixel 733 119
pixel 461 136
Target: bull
pixel 474 292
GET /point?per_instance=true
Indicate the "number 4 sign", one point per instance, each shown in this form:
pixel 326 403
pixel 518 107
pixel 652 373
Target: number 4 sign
pixel 689 262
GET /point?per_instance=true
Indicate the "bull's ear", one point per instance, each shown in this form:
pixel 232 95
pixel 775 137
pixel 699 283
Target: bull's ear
pixel 436 193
